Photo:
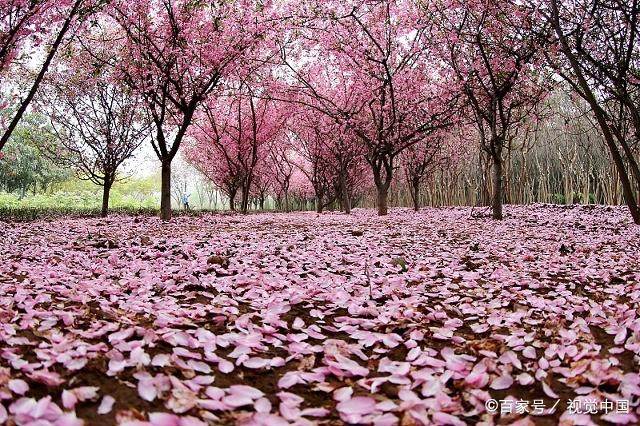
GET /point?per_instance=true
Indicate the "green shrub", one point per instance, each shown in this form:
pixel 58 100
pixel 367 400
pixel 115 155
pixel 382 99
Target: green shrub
pixel 74 203
pixel 32 213
pixel 558 199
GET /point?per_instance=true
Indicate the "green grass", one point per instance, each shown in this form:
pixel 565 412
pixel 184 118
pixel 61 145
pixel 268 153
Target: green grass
pixel 77 200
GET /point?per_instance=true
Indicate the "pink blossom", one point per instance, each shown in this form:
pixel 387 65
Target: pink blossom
pixel 357 405
pixel 106 404
pixel 502 382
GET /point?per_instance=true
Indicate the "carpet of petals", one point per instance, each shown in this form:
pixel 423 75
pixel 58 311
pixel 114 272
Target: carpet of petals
pixel 276 319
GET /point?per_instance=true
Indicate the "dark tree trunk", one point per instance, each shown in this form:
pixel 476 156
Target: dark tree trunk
pixel 496 197
pixel 415 194
pixel 601 117
pixel 262 202
pixel 319 203
pixel 344 193
pixel 627 189
pixel 382 168
pixel 484 164
pixel 232 200
pixel 106 189
pixel 383 195
pixel 244 200
pixel 165 191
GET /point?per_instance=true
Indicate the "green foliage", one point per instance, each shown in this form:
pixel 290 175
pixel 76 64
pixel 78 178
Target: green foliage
pixel 558 199
pixel 576 197
pixel 85 195
pixel 23 165
pixel 80 200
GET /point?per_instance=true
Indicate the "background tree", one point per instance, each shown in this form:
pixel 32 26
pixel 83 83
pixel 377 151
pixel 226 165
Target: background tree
pixel 281 164
pixel 216 161
pixel 176 53
pixel 334 162
pixel 493 53
pixel 598 45
pixel 371 69
pixel 97 120
pixel 312 138
pixel 24 165
pixel 419 161
pixel 235 130
pixel 261 185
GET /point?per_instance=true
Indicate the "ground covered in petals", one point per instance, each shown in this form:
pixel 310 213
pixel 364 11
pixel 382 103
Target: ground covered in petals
pixel 275 319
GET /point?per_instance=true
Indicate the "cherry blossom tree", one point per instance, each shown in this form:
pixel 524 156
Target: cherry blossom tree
pixel 309 136
pixel 235 131
pixel 346 163
pixel 372 69
pixel 18 21
pixel 261 184
pixel 300 191
pixel 418 163
pixel 332 159
pixel 494 57
pixel 177 52
pixel 214 159
pixel 282 165
pixel 218 167
pixel 98 121
pixel 598 55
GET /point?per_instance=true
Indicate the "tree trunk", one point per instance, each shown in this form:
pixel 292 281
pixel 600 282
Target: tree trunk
pixel 496 199
pixel 105 198
pixel 262 202
pixel 165 191
pixel 232 201
pixel 415 194
pixel 627 190
pixel 319 203
pixel 344 192
pixel 383 193
pixel 485 195
pixel 244 200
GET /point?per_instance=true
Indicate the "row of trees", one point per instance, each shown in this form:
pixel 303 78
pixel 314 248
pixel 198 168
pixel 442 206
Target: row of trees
pixel 560 160
pixel 324 94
